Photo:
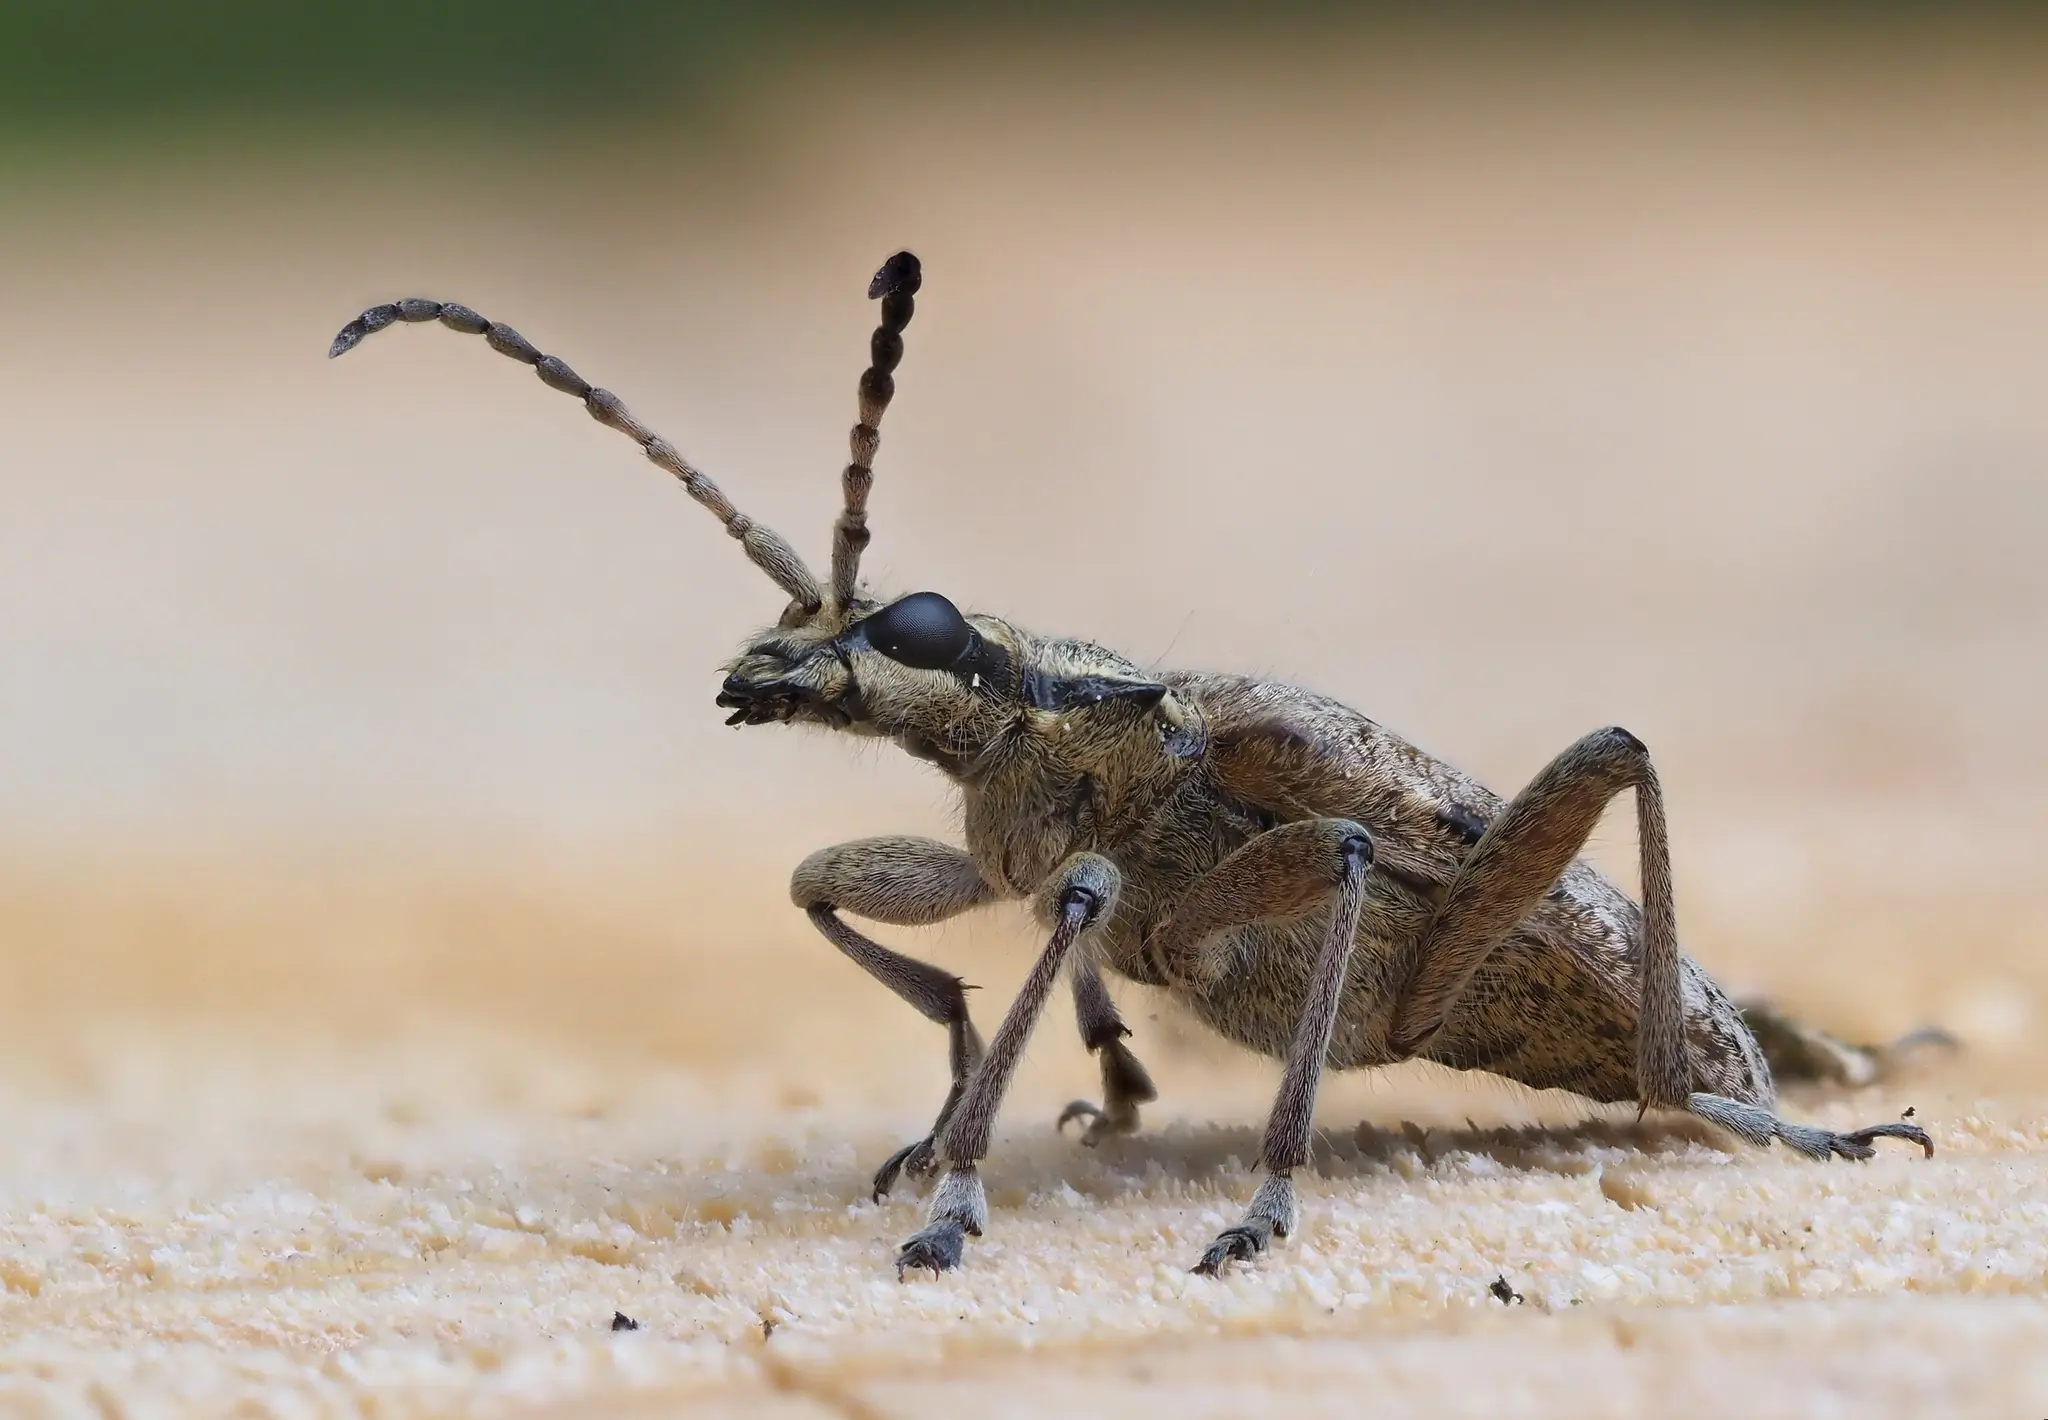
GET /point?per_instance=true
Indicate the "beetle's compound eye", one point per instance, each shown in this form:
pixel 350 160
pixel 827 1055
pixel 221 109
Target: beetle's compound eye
pixel 923 631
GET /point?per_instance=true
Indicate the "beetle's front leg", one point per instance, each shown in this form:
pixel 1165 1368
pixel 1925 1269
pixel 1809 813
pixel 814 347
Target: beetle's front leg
pixel 910 882
pixel 1078 898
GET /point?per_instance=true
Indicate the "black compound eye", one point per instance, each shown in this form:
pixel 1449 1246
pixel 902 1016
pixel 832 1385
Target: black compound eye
pixel 923 631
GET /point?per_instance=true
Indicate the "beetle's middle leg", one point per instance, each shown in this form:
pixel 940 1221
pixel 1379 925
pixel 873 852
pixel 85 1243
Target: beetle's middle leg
pixel 1516 861
pixel 1125 1085
pixel 907 882
pixel 1286 872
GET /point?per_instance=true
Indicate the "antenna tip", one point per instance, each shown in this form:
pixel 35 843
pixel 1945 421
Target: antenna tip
pixel 368 323
pixel 901 273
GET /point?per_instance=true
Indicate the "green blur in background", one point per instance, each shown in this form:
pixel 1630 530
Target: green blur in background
pixel 81 65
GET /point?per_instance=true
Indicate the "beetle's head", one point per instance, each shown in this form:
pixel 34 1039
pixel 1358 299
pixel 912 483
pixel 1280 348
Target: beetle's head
pixel 944 685
pixel 874 669
pixel 951 687
pixel 915 669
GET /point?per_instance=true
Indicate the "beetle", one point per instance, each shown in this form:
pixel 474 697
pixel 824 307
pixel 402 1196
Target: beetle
pixel 1306 882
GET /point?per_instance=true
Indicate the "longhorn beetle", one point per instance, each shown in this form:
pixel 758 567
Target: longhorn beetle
pixel 1309 884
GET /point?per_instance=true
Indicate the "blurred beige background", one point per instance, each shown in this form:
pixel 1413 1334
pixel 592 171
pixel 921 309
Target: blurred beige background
pixel 357 755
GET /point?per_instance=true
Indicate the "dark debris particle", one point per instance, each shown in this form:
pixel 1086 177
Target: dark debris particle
pixel 1502 1292
pixel 767 1327
pixel 1908 1114
pixel 622 1322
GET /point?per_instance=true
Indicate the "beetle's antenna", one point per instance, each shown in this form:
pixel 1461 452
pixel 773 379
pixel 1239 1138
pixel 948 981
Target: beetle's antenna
pixel 895 285
pixel 766 547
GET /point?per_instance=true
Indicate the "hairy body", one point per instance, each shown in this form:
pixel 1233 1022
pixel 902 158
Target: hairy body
pixel 1554 1006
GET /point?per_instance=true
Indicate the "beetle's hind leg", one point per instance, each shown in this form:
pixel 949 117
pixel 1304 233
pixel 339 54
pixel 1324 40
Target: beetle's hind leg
pixel 1518 857
pixel 1125 1084
pixel 1756 1125
pixel 1801 1054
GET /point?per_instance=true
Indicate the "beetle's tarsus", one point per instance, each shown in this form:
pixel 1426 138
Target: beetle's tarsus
pixel 937 1247
pixel 1239 1244
pixel 917 1160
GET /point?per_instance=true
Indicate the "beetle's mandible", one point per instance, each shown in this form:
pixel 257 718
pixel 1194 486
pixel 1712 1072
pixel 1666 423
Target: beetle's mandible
pixel 1307 883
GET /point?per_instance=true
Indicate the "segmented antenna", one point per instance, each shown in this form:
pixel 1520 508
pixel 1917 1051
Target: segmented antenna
pixel 763 545
pixel 895 285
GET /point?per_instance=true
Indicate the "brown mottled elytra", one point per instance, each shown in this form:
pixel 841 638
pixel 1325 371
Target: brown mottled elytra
pixel 1309 884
